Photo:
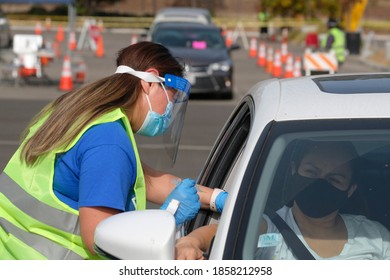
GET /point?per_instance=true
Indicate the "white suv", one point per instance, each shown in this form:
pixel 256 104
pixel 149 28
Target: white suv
pixel 252 160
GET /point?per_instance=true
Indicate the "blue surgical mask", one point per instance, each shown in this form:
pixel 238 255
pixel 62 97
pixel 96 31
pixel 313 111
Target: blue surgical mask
pixel 156 124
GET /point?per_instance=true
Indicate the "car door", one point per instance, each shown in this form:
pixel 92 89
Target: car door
pixel 224 160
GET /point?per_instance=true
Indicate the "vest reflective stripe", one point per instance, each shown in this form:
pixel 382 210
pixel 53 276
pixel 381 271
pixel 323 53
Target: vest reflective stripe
pixel 53 217
pixel 41 244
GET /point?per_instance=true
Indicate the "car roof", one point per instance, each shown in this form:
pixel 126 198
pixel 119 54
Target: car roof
pixel 323 97
pixel 183 14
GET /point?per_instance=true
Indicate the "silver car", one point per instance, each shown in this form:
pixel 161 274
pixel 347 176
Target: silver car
pixel 253 160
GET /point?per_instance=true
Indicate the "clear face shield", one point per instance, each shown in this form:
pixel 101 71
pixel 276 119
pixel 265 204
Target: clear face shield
pixel 180 88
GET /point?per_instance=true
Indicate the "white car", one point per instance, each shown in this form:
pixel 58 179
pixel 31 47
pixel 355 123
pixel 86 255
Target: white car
pixel 183 14
pixel 252 156
pixel 179 15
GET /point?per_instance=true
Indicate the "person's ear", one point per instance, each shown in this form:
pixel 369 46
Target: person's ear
pixel 145 86
pixel 351 190
pixel 154 71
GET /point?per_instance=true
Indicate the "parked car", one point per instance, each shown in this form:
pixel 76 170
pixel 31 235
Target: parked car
pixel 178 15
pixel 5 32
pixel 202 49
pixel 252 158
pixel 189 14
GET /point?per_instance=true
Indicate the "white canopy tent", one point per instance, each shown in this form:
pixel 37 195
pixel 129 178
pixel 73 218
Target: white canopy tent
pixel 71 7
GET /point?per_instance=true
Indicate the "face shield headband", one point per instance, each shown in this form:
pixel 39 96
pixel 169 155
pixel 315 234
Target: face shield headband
pixel 179 85
pixel 181 90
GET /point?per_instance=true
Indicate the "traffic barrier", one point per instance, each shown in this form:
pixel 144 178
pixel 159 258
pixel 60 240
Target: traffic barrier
pixel 320 61
pixel 229 38
pixel 38 28
pixel 261 57
pixel 270 60
pixel 297 71
pixel 66 82
pixel 289 67
pixel 80 72
pixel 72 41
pixel 277 66
pixel 253 47
pixel 99 47
pixel 60 34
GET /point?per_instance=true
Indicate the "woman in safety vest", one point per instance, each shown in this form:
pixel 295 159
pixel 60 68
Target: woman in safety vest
pixel 78 163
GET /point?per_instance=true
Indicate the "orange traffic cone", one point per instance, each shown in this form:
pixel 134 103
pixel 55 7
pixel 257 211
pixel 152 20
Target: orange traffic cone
pixel 261 58
pixel 72 41
pixel 270 57
pixel 99 47
pixel 253 47
pixel 66 82
pixel 38 28
pixel 57 48
pixel 284 51
pixel 80 72
pixel 288 70
pixel 134 39
pixel 284 35
pixel 229 38
pixel 277 67
pixel 297 71
pixel 60 34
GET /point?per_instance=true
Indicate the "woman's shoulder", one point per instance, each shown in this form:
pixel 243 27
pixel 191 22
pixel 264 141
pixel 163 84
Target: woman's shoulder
pixel 110 133
pixel 362 223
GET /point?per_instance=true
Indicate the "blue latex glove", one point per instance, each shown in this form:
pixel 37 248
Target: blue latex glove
pixel 220 201
pixel 186 193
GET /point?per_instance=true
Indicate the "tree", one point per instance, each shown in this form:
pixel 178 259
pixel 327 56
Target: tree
pixel 307 8
pixel 89 7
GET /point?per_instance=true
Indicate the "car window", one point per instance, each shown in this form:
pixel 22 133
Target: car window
pixel 189 38
pixel 225 157
pixel 292 163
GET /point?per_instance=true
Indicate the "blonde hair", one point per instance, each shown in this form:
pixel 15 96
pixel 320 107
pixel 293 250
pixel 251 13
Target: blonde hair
pixel 71 112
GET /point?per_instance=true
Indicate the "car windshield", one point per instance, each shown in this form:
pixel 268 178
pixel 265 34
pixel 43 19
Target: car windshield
pixel 199 39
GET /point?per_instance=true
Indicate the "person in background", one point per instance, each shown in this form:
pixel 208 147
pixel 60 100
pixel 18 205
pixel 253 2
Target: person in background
pixel 78 163
pixel 335 40
pixel 263 17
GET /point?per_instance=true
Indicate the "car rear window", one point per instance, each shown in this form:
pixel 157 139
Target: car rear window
pixel 354 84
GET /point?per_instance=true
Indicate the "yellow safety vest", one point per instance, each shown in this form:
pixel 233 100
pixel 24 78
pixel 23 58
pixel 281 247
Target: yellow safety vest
pixel 338 45
pixel 34 223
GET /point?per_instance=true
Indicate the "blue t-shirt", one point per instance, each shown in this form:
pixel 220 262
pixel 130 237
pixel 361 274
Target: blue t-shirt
pixel 100 170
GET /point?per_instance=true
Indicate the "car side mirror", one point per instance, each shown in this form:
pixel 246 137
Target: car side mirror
pixel 137 235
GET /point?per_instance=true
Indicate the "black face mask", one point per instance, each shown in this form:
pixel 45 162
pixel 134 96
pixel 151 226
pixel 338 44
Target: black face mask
pixel 318 197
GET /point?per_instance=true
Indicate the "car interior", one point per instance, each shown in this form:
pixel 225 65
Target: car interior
pixel 370 198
